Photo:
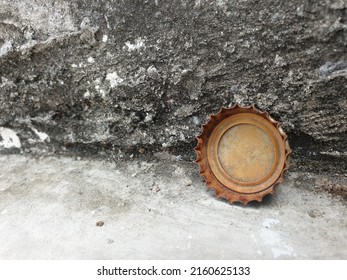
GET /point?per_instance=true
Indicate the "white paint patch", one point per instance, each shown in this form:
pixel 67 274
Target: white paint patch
pixel 273 239
pixel 91 59
pixel 138 44
pixel 9 138
pixel 5 48
pixel 104 38
pixel 4 211
pixel 43 136
pixel 270 237
pixel 74 65
pixel 114 79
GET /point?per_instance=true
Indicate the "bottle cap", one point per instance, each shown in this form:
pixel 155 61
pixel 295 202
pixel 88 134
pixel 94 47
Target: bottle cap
pixel 243 153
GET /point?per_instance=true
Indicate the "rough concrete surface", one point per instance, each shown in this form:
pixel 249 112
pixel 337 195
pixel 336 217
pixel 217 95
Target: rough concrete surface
pixel 114 74
pixel 50 207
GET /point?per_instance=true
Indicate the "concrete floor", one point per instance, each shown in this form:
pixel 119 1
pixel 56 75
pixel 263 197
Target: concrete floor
pixel 49 208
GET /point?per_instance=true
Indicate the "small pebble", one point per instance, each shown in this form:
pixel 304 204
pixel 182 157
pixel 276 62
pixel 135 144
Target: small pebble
pixel 99 223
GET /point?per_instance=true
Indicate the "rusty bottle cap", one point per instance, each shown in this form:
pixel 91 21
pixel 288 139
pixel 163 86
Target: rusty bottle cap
pixel 243 153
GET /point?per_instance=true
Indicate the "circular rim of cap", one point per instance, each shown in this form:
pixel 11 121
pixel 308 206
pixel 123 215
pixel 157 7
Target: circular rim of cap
pixel 250 132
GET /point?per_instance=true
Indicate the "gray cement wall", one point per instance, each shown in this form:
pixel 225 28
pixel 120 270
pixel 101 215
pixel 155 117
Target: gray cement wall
pixel 112 77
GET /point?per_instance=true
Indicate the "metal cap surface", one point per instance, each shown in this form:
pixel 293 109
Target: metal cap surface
pixel 243 153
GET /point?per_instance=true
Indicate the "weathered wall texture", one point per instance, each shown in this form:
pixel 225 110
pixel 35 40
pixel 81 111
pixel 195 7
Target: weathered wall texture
pixel 119 75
